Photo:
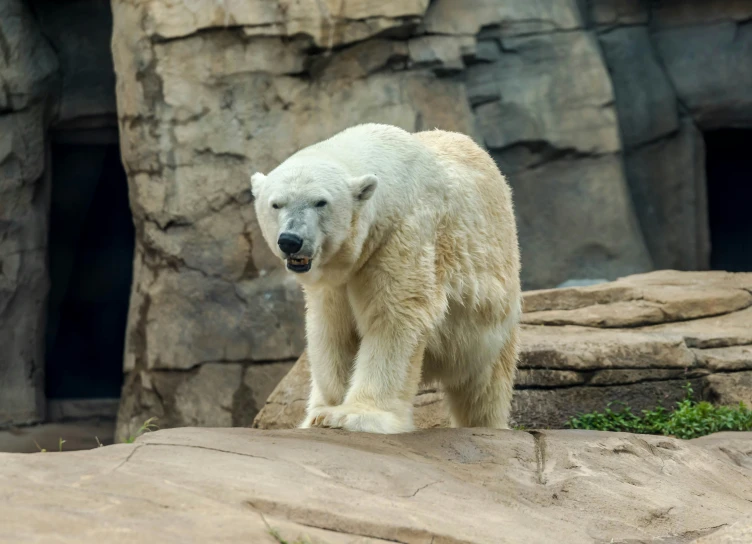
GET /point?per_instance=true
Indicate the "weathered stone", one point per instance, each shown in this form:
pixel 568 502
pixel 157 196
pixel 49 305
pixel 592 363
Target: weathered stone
pixel 726 359
pixel 617 12
pixel 258 320
pixel 28 81
pixel 737 533
pixel 645 102
pixel 259 382
pixel 360 60
pixel 28 65
pixel 328 23
pixel 673 13
pixel 218 394
pixel 670 198
pixel 543 377
pixel 601 240
pixel 80 33
pixel 568 370
pixel 710 67
pixel 730 389
pixel 285 407
pixel 512 17
pixel 441 52
pixel 580 119
pixel 324 486
pixel 650 306
pixel 205 399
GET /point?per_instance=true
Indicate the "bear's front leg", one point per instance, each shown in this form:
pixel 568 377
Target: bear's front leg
pixel 332 345
pixel 395 304
pixel 384 383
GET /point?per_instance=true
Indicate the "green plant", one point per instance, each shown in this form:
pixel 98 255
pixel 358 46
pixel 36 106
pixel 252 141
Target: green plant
pixel 689 419
pixel 147 426
pixel 276 536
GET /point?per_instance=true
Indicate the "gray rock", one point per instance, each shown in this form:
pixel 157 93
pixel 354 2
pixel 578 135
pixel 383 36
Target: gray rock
pixel 645 101
pixel 676 13
pixel 601 238
pixel 27 78
pixel 28 65
pixel 512 17
pixel 710 67
pixel 217 394
pixel 80 33
pixel 608 13
pixel 538 101
pixel 730 389
pixel 668 188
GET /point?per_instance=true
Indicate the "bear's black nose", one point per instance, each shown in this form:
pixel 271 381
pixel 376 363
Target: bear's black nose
pixel 289 243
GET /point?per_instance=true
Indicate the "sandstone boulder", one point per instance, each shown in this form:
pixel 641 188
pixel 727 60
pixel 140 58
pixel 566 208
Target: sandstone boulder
pixel 637 340
pixel 444 485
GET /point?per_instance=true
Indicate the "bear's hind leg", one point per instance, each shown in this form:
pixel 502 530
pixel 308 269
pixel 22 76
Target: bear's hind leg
pixel 484 399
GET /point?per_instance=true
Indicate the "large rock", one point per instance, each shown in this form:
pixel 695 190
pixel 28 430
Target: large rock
pixel 544 105
pixel 710 66
pixel 670 198
pixel 80 33
pixel 28 70
pixel 645 101
pixel 454 486
pixel 638 340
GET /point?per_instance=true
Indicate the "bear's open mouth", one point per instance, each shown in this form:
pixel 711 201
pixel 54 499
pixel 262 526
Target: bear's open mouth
pixel 299 264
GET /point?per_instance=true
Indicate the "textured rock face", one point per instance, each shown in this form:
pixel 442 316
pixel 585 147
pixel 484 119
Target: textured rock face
pixel 28 68
pixel 468 486
pixel 637 340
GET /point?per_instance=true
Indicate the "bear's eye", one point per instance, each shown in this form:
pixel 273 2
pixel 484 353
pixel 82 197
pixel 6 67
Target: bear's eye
pixel 321 203
pixel 275 206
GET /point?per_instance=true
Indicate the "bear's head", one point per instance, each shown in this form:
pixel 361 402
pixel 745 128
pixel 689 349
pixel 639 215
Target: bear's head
pixel 307 209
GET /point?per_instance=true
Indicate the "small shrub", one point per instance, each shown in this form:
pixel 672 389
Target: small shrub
pixel 690 419
pixel 148 426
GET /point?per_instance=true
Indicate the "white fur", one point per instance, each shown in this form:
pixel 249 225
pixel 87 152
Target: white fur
pixel 415 273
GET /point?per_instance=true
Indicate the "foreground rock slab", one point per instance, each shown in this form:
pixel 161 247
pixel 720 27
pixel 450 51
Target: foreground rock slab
pixel 638 340
pixel 440 485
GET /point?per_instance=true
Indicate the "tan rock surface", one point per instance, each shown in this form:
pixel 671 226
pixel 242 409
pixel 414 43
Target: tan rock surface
pixel 637 340
pixel 452 486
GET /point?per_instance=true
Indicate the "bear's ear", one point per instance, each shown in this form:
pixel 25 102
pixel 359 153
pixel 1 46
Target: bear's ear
pixel 256 180
pixel 363 187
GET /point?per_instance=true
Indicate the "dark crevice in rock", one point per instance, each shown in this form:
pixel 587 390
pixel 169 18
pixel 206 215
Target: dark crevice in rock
pixel 246 362
pixel 661 138
pixel 588 375
pixel 173 445
pixel 128 458
pixel 546 151
pixel 421 488
pixel 540 455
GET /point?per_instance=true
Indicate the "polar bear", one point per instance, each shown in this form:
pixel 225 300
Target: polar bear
pixel 406 248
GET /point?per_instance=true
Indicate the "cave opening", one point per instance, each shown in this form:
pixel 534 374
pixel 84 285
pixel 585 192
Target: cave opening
pixel 729 184
pixel 90 251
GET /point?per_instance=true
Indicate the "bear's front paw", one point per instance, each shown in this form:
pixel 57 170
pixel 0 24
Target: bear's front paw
pixel 364 419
